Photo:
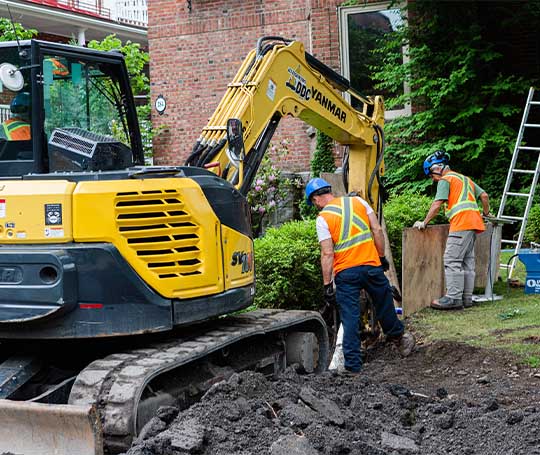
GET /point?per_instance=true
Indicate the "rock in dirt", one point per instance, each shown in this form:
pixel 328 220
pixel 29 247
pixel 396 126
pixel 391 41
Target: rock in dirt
pixel 292 445
pixel 396 442
pixel 327 408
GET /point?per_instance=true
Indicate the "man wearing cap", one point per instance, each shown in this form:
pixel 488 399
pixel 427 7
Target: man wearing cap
pixel 352 255
pixel 461 194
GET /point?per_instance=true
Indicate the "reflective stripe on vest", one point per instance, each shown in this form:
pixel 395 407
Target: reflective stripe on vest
pixel 12 126
pixel 349 220
pixel 466 201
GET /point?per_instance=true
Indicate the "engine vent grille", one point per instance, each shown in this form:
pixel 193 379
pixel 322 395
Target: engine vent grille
pixel 156 225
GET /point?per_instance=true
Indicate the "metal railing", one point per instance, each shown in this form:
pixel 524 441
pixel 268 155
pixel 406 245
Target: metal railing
pixel 132 13
pixel 4 112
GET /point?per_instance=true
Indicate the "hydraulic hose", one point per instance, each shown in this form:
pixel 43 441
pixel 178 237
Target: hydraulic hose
pixel 380 156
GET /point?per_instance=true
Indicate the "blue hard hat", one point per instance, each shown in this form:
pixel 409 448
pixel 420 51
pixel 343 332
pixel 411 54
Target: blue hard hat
pixel 21 103
pixel 314 185
pixel 439 157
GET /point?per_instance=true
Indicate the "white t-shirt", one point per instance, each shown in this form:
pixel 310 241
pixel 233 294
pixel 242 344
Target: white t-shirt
pixel 323 232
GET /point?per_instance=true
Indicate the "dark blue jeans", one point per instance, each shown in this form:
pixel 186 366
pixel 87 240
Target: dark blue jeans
pixel 349 283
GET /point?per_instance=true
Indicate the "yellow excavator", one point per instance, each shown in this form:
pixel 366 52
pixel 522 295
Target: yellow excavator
pixel 121 284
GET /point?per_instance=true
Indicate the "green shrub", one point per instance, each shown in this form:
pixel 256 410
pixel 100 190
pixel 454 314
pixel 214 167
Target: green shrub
pixel 323 158
pixel 532 231
pixel 287 267
pixel 401 211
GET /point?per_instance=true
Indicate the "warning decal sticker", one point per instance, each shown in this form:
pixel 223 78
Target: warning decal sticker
pixel 53 214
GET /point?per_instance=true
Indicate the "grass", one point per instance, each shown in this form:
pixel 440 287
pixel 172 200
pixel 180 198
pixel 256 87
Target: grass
pixel 512 323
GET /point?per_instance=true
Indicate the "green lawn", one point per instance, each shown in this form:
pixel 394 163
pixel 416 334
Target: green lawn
pixel 512 323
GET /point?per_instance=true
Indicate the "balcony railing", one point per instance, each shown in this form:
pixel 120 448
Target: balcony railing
pixel 77 6
pixel 132 15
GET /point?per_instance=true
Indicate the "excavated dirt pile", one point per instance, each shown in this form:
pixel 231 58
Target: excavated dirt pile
pixel 446 398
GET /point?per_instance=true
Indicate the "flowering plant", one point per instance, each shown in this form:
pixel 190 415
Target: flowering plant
pixel 270 187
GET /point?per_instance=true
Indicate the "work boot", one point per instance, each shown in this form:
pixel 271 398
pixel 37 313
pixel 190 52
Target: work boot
pixel 349 373
pixel 447 303
pixel 467 302
pixel 404 343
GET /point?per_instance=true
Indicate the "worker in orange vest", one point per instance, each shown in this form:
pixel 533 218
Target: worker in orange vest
pixel 461 194
pixel 17 128
pixel 352 252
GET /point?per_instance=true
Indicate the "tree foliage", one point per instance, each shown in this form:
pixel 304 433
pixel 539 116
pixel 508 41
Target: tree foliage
pixel 11 31
pixel 466 98
pixel 135 59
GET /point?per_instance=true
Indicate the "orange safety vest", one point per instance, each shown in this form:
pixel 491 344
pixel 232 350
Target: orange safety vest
pixel 16 130
pixel 59 69
pixel 348 223
pixel 462 208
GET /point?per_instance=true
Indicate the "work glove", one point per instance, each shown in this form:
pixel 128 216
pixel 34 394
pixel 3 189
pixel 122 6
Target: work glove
pixel 384 263
pixel 329 309
pixel 419 225
pixel 329 294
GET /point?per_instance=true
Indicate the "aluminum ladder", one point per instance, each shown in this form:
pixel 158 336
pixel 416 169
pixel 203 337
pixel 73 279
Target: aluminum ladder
pixel 513 170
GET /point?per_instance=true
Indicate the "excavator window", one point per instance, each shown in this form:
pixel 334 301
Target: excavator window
pixel 15 112
pixel 85 95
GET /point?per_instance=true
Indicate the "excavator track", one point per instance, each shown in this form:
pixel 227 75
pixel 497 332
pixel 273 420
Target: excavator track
pixel 116 383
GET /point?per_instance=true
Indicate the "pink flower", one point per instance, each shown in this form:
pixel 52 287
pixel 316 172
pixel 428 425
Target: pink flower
pixel 259 182
pixel 271 177
pixel 271 203
pixel 262 210
pixel 258 188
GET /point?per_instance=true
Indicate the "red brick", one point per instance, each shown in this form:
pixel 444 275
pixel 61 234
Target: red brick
pixel 194 55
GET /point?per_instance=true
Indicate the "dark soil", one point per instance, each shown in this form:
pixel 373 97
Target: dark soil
pixel 446 398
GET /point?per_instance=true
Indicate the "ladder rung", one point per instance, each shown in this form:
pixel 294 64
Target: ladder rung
pixel 504 266
pixel 532 125
pixel 524 171
pixel 513 242
pixel 508 217
pixel 518 194
pixel 527 147
pixel 534 102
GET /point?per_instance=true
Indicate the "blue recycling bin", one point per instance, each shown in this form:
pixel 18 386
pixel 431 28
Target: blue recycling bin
pixel 532 266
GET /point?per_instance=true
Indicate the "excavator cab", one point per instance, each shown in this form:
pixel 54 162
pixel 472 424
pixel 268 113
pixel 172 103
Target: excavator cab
pixel 79 114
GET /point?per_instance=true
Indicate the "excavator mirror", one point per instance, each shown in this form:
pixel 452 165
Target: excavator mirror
pixel 11 77
pixel 235 138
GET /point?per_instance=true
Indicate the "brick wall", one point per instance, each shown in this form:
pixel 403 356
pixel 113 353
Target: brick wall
pixel 194 54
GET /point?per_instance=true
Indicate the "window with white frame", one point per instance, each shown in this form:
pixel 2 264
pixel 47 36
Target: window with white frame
pixel 360 29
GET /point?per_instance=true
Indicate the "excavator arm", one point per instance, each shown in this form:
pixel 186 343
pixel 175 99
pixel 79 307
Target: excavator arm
pixel 279 78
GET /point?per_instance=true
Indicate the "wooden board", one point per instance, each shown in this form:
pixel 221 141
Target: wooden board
pixel 423 268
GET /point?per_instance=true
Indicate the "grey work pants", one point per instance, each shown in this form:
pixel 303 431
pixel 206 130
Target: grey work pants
pixel 459 264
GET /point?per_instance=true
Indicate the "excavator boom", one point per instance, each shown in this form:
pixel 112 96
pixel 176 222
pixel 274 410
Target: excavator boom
pixel 279 78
